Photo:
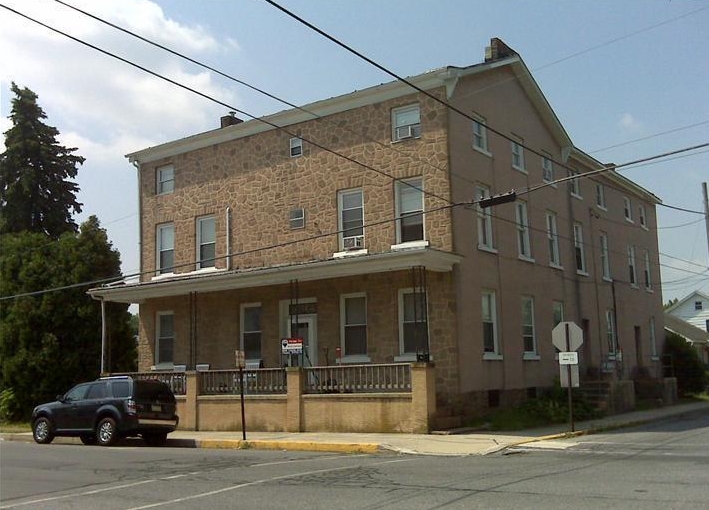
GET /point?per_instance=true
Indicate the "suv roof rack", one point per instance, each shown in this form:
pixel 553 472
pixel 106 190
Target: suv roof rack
pixel 113 377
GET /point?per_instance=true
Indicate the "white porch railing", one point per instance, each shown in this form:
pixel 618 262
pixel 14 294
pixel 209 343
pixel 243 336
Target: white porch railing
pixel 394 378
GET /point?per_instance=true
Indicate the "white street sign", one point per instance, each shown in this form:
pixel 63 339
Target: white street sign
pixel 561 331
pixel 564 376
pixel 292 346
pixel 569 358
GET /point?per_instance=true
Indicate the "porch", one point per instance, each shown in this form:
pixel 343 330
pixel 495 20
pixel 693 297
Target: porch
pixel 396 397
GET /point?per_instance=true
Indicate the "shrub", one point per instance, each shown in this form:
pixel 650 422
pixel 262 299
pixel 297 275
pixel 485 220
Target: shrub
pixel 686 365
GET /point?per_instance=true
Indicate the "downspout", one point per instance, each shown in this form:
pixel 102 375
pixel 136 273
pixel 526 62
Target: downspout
pixel 103 334
pixel 228 238
pixel 140 221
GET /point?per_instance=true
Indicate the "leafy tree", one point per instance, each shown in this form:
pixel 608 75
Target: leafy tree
pixel 36 194
pixel 671 302
pixel 51 340
pixel 686 365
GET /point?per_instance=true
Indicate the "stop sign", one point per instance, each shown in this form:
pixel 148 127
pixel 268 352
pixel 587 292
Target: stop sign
pixel 567 329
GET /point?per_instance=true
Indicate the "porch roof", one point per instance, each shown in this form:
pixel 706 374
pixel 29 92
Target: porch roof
pixel 219 280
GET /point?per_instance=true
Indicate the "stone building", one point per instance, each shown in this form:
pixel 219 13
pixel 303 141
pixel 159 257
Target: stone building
pixel 354 223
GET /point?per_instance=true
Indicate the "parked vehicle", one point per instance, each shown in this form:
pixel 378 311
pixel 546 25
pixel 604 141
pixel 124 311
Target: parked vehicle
pixel 105 410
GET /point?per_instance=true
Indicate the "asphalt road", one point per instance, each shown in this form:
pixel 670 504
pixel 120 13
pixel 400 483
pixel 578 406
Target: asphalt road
pixel 657 466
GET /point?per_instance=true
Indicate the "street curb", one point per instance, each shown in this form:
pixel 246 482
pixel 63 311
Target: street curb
pixel 235 444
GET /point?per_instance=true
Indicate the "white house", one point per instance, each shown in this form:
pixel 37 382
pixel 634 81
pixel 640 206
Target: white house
pixel 693 309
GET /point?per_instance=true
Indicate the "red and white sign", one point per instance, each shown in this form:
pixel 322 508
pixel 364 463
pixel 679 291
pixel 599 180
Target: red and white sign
pixel 292 346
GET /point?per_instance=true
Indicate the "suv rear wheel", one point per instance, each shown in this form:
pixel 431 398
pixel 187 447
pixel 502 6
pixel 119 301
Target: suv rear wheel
pixel 106 433
pixel 43 430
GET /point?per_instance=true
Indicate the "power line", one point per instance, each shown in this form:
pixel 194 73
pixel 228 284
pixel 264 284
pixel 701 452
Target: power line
pixel 655 135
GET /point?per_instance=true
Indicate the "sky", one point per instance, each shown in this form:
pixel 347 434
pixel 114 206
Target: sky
pixel 627 79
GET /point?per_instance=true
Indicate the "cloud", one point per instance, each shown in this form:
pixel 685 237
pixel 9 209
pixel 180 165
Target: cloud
pixel 628 123
pixel 108 108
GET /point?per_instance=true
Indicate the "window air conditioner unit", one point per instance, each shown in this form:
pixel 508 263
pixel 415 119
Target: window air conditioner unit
pixel 403 132
pixel 353 242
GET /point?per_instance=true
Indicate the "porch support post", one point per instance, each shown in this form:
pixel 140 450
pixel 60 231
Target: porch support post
pixel 423 397
pixel 188 416
pixel 294 404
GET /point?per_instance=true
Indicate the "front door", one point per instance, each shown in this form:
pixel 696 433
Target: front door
pixel 305 328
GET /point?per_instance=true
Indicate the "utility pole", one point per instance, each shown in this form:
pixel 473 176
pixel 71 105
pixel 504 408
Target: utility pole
pixel 706 210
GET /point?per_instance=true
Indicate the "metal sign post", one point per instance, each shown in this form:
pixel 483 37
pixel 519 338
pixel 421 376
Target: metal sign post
pixel 241 364
pixel 567 337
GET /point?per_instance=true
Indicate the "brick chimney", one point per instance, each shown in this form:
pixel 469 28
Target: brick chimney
pixel 230 120
pixel 498 50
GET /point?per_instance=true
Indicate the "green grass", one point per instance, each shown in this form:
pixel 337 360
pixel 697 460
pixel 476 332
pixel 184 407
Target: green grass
pixel 12 427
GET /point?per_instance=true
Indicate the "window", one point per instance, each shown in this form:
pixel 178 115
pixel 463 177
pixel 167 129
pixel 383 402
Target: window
pixel 610 330
pixel 523 245
pixel 547 168
pixel 631 265
pixel 296 147
pixel 579 249
pixel 165 338
pixel 646 271
pixel 351 205
pixel 600 196
pixel 698 305
pixel 297 218
pixel 166 248
pixel 251 330
pixel 206 242
pixel 653 339
pixel 553 237
pixel 413 321
pixel 406 123
pixel 489 323
pixel 518 156
pixel 557 310
pixel 641 216
pixel 528 337
pixel 627 209
pixel 574 184
pixel 707 325
pixel 605 257
pixel 484 219
pixel 480 134
pixel 353 315
pixel 166 180
pixel 97 390
pixel 409 203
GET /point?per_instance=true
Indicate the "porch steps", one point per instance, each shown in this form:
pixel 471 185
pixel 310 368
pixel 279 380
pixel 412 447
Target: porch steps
pixel 597 393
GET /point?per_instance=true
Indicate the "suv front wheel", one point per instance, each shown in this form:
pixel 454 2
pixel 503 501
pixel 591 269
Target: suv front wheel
pixel 42 430
pixel 106 433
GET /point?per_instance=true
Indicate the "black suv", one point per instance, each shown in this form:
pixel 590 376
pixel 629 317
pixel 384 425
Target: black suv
pixel 107 409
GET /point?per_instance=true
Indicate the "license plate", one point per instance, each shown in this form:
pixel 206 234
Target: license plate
pixel 156 408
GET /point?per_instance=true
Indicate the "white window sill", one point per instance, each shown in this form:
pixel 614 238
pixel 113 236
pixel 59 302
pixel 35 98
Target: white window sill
pixel 602 207
pixel 488 249
pixel 401 140
pixel 629 220
pixel 649 290
pixel 167 365
pixel 409 245
pixel 644 227
pixel 406 357
pixel 203 270
pixel 492 356
pixel 577 196
pixel 520 169
pixel 531 356
pixel 608 279
pixel 164 276
pixel 556 266
pixel 634 286
pixel 550 183
pixel 581 272
pixel 349 253
pixel 525 258
pixel 355 359
pixel 482 151
pixel 654 358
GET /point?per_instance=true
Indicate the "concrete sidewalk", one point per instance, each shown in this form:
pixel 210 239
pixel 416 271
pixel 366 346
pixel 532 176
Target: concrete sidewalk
pixel 460 443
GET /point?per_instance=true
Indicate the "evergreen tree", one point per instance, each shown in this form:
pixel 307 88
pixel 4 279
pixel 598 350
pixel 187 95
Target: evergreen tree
pixel 36 194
